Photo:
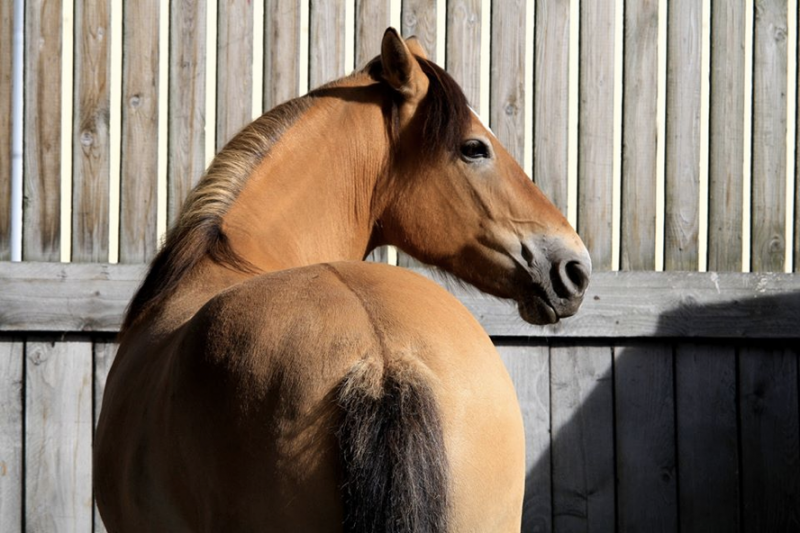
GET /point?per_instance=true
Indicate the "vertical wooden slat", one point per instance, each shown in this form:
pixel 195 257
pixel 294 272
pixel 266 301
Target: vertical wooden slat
pixel 770 439
pixel 234 68
pixel 708 459
pixel 769 136
pixel 6 84
pixel 726 137
pixel 139 157
pixel 682 172
pixel 464 46
pixel 58 435
pixel 529 367
pixel 187 94
pixel 596 133
pixel 581 384
pixel 551 103
pixel 90 217
pixel 326 47
pixel 419 19
pixel 41 239
pixel 104 353
pixel 11 434
pixel 645 447
pixel 639 142
pixel 507 93
pixel 372 19
pixel 281 57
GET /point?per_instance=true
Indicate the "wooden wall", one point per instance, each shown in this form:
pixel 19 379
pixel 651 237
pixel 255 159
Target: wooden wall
pixel 665 129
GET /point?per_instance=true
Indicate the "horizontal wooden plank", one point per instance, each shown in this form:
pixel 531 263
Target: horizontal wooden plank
pixel 92 297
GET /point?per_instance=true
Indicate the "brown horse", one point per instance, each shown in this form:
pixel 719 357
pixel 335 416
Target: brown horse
pixel 269 380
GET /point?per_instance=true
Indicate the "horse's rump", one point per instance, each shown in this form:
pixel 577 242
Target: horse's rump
pixel 393 453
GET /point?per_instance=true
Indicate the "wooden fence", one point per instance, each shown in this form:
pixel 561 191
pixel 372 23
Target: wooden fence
pixel 667 130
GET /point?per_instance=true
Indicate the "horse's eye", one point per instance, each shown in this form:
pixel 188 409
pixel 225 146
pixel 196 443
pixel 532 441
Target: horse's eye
pixel 474 150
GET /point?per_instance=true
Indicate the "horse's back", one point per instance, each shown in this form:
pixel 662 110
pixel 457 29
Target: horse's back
pixel 253 385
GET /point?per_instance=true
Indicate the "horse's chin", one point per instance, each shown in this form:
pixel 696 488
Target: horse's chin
pixel 536 311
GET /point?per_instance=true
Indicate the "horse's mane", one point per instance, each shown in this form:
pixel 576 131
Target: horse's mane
pixel 197 233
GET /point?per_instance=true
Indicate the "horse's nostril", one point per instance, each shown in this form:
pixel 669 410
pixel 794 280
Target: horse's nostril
pixel 574 277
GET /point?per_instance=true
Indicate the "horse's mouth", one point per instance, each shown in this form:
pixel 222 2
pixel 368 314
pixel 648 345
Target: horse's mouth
pixel 535 310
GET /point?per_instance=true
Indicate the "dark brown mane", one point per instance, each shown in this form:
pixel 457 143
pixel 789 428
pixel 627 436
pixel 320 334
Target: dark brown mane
pixel 198 231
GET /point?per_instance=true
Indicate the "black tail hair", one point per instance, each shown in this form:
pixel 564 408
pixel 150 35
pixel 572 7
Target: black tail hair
pixel 392 445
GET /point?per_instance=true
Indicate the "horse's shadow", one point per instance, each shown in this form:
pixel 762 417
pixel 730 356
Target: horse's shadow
pixel 667 433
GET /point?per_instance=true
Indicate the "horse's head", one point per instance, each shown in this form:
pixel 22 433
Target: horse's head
pixel 461 202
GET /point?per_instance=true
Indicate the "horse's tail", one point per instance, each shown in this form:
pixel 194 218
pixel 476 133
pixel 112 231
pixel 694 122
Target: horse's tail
pixel 392 444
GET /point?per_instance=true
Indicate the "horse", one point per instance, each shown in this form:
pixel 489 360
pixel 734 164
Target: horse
pixel 270 379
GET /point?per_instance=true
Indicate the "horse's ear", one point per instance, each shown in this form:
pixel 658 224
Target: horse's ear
pixel 416 48
pixel 401 69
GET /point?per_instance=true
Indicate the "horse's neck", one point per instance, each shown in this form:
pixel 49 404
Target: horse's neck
pixel 310 200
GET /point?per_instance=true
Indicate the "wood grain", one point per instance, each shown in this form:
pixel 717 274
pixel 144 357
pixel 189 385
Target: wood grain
pixel 639 136
pixel 682 172
pixel 464 46
pixel 645 438
pixel 187 96
pixel 104 353
pixel 282 43
pixel 507 83
pixel 234 68
pixel 769 136
pixel 90 132
pixel 770 439
pixel 529 367
pixel 582 409
pixel 726 136
pixel 706 418
pixel 58 434
pixel 6 87
pixel 372 19
pixel 11 434
pixel 138 240
pixel 41 235
pixel 418 18
pixel 596 132
pixel 326 46
pixel 550 100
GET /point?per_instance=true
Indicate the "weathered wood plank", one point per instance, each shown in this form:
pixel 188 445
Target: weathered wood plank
pixel 104 353
pixel 770 439
pixel 11 434
pixel 372 19
pixel 419 19
pixel 464 46
pixel 769 136
pixel 6 88
pixel 187 95
pixel 596 132
pixel 726 137
pixel 639 136
pixel 138 240
pixel 90 173
pixel 86 297
pixel 282 43
pixel 41 235
pixel 529 367
pixel 682 171
pixel 582 409
pixel 645 444
pixel 58 434
pixel 234 68
pixel 507 93
pixel 326 46
pixel 708 459
pixel 551 103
